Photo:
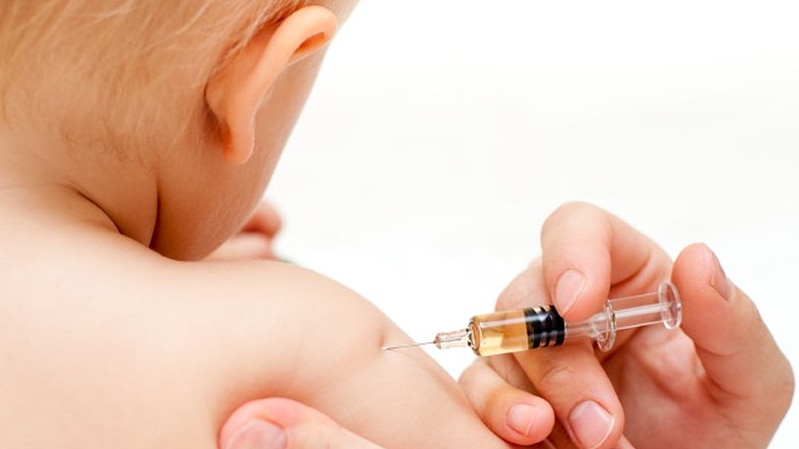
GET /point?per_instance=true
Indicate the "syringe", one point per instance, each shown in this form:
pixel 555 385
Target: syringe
pixel 540 327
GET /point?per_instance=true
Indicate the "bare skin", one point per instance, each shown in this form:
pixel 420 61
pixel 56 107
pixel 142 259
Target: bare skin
pixel 116 346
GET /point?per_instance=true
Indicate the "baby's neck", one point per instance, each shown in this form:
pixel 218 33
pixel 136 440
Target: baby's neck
pixel 37 172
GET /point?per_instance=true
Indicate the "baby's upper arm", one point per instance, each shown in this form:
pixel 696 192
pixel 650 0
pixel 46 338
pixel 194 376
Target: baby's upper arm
pixel 141 352
pixel 289 332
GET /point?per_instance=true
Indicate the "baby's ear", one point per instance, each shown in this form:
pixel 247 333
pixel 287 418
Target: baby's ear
pixel 234 94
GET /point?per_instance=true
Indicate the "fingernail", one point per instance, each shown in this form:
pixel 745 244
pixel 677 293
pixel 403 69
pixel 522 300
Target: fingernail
pixel 624 443
pixel 258 435
pixel 718 278
pixel 521 418
pixel 568 289
pixel 590 424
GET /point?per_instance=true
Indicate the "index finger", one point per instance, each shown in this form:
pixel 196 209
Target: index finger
pixel 570 377
pixel 587 252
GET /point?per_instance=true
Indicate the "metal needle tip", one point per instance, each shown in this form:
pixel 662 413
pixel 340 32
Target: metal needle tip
pixel 407 345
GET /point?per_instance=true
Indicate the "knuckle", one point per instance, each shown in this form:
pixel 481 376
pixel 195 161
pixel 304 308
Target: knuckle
pixel 552 376
pixel 554 373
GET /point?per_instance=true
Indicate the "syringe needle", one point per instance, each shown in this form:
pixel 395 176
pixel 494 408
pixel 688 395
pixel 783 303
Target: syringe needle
pixel 443 340
pixel 407 345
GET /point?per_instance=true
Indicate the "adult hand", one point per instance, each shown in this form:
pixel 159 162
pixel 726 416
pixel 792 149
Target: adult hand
pixel 254 240
pixel 718 381
pixel 278 423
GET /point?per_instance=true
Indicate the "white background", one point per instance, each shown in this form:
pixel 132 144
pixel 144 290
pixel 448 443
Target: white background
pixel 442 133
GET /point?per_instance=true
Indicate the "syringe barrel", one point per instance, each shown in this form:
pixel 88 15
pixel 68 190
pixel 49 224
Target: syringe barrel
pixel 539 327
pixel 630 312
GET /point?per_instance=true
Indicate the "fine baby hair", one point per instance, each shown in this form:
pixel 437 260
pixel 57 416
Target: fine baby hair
pixel 138 62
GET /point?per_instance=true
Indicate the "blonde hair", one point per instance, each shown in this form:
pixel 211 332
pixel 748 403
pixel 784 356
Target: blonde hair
pixel 125 50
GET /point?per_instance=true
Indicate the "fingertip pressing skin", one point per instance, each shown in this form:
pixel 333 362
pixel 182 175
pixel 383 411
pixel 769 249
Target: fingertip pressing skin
pixel 278 411
pixel 258 434
pixel 278 423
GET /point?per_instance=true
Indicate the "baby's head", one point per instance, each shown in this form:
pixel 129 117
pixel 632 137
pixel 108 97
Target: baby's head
pixel 170 116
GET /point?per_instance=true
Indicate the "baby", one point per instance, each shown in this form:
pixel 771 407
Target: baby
pixel 136 137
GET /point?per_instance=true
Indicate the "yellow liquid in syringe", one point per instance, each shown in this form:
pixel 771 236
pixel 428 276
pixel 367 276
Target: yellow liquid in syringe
pixel 516 330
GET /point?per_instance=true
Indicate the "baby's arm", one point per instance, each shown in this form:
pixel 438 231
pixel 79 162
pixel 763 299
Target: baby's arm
pixel 117 347
pixel 319 343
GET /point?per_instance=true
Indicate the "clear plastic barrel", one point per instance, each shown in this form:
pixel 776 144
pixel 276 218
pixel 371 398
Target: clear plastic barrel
pixel 663 306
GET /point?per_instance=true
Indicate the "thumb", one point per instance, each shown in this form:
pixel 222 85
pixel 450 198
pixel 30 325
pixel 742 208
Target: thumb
pixel 278 423
pixel 732 342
